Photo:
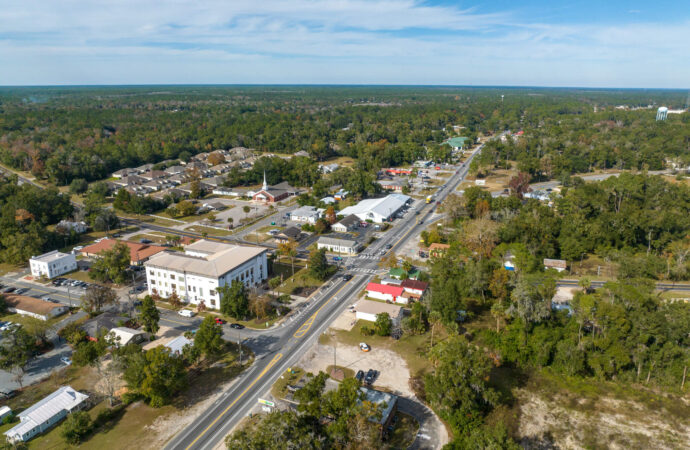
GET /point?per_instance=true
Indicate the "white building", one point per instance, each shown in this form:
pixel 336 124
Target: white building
pixel 331 244
pixel 77 227
pixel 125 335
pixel 52 264
pixel 196 274
pixel 377 209
pixel 306 214
pixel 368 310
pixel 46 413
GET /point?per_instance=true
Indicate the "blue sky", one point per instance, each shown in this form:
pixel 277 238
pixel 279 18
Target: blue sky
pixel 492 42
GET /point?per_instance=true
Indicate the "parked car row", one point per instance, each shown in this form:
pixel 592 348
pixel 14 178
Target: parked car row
pixel 70 283
pixel 367 378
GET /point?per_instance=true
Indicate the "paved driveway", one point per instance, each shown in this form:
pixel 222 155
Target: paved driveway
pixel 432 433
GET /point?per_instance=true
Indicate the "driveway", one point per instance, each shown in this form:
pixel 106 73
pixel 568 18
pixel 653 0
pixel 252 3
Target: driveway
pixel 432 433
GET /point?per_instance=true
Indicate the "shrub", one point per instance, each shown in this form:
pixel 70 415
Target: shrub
pixel 76 426
pixel 366 331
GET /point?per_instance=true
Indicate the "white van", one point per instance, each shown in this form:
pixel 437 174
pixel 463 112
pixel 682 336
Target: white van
pixel 186 312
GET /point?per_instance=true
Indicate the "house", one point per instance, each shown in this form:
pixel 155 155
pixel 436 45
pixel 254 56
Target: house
pixel 306 214
pixel 124 173
pixel 346 224
pixel 124 335
pixel 367 310
pixel 391 281
pixel 5 411
pixel 176 346
pixel 153 175
pixel 399 273
pixel 103 323
pixel 52 264
pixel 178 179
pixel 302 153
pixel 33 307
pixel 415 288
pixel 327 200
pixel 289 233
pixel 65 226
pixel 457 143
pixel 387 403
pixel 331 244
pixel 378 209
pixel 394 185
pixel 196 274
pixel 272 194
pixel 138 253
pixel 341 195
pixel 386 292
pixel 329 168
pixel 437 250
pixel 214 181
pixel 46 413
pixel 214 206
pixel 558 264
pixel 174 170
pixel 177 193
pixel 144 168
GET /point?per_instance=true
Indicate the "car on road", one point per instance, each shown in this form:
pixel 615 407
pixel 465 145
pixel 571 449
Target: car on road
pixel 370 376
pixel 186 313
pixel 145 241
pixel 389 246
pixel 20 291
pixel 9 289
pixel 66 361
pixel 337 258
pixel 237 326
pixel 347 277
pixel 360 375
pixel 57 281
pixel 364 347
pixel 220 321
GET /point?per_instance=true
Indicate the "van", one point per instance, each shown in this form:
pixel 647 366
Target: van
pixel 186 313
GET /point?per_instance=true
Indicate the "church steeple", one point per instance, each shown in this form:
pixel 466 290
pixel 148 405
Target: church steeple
pixel 265 186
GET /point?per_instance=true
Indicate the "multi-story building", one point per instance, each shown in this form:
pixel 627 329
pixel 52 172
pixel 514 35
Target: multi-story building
pixel 52 264
pixel 196 274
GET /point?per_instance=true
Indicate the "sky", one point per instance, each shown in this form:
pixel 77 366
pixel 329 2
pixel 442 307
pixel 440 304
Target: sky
pixel 588 43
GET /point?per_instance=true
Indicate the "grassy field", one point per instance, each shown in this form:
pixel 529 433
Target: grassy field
pixel 208 230
pixel 279 388
pixel 301 284
pixel 7 268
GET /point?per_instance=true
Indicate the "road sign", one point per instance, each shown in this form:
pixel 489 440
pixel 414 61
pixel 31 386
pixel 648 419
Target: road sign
pixel 267 402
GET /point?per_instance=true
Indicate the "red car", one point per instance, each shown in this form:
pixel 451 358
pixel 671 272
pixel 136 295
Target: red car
pixel 220 321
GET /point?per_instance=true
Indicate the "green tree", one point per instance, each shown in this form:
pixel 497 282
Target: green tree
pixel 16 348
pixel 234 300
pixel 78 186
pixel 164 375
pixel 76 427
pixel 112 264
pixel 3 305
pixel 318 264
pixel 87 353
pixel 96 297
pixel 383 325
pixel 209 338
pixel 149 315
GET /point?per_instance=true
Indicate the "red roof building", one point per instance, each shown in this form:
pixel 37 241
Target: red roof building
pixel 385 292
pixel 414 288
pixel 138 253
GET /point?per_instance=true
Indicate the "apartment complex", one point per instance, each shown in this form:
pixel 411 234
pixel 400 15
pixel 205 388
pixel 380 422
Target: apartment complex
pixel 196 274
pixel 52 264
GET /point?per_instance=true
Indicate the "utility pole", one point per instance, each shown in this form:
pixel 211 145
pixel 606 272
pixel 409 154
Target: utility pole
pixel 239 345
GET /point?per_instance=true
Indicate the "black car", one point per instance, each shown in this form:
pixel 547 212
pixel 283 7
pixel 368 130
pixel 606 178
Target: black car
pixel 347 277
pixel 9 289
pixel 370 377
pixel 389 246
pixel 360 375
pixel 236 326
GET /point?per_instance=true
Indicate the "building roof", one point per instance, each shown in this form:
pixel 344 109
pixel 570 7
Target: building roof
pixel 31 304
pixel 380 398
pixel 384 206
pixel 50 256
pixel 349 221
pixel 325 240
pixel 65 398
pixel 397 272
pixel 369 307
pixel 414 284
pixel 137 251
pixel 389 289
pixel 457 141
pixel 555 263
pixel 106 321
pixel 125 334
pixel 305 211
pixel 290 232
pixel 177 344
pixel 393 281
pixel 221 258
pixel 437 246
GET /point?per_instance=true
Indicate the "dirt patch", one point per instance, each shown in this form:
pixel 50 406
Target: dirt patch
pixel 393 370
pixel 344 321
pixel 564 294
pixel 614 424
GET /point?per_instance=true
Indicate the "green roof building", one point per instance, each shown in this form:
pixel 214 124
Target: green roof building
pixel 458 143
pixel 399 274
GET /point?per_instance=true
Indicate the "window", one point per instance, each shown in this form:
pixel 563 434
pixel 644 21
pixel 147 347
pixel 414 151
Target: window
pixel 180 278
pixel 173 286
pixel 172 276
pixel 213 302
pixel 212 292
pixel 151 272
pixel 201 292
pixel 153 281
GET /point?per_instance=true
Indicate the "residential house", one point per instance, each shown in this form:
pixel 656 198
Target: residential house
pixel 153 175
pixel 399 273
pixel 306 214
pixel 52 264
pixel 458 143
pixel 327 200
pixel 214 206
pixel 46 413
pixel 176 346
pixel 415 288
pixel 346 224
pixel 33 307
pixel 175 170
pixel 289 233
pixel 214 182
pixel 558 264
pixel 387 403
pixel 103 324
pixel 124 335
pixel 367 310
pixel 122 173
pixel 336 245
pixel 329 168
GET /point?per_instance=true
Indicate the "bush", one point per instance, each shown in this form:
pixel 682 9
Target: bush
pixel 285 298
pixel 130 397
pixel 366 331
pixel 76 426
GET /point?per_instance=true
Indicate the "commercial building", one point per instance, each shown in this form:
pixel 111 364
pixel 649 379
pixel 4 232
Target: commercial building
pixel 52 264
pixel 306 214
pixel 368 310
pixel 377 209
pixel 331 244
pixel 414 288
pixel 33 307
pixel 45 414
pixel 138 253
pixel 288 234
pixel 196 274
pixel 386 292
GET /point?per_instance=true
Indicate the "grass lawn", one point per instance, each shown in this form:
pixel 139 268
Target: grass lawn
pixel 412 348
pixel 301 284
pixel 404 432
pixel 80 275
pixel 23 320
pixel 6 268
pixel 279 388
pixel 258 237
pixel 347 372
pixel 208 230
pixel 594 268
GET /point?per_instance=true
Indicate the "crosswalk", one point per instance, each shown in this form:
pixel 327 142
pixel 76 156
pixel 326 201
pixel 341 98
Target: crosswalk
pixel 368 256
pixel 363 270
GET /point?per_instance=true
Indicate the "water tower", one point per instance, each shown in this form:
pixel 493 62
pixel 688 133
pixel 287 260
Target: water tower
pixel 661 113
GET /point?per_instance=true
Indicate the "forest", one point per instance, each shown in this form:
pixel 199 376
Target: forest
pixel 62 134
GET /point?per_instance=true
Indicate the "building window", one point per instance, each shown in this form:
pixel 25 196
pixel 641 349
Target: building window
pixel 172 276
pixel 213 302
pixel 201 292
pixel 212 292
pixel 173 286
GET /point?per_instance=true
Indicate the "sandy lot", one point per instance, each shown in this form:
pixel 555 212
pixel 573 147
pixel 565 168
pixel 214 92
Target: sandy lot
pixel 393 370
pixel 564 294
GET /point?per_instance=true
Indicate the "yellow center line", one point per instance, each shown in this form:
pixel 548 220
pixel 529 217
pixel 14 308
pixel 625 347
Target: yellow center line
pixel 275 359
pixel 307 325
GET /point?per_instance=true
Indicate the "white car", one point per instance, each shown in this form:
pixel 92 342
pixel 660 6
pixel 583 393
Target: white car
pixel 66 361
pixel 186 313
pixel 364 347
